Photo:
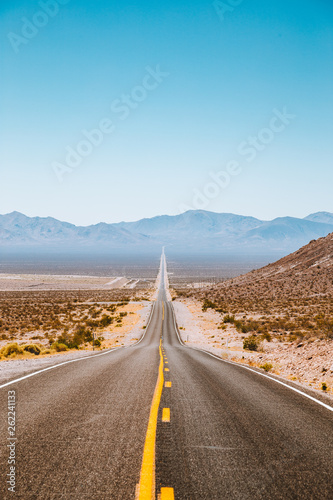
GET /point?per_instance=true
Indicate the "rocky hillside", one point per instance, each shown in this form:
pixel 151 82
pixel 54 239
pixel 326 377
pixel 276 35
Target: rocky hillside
pixel 289 300
pixel 306 273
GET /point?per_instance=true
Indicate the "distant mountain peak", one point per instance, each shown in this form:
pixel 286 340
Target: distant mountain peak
pixel 323 217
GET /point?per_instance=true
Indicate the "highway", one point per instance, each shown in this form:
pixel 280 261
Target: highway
pixel 166 421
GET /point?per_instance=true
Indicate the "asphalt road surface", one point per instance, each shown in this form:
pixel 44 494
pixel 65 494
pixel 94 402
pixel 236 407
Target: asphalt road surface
pixel 162 420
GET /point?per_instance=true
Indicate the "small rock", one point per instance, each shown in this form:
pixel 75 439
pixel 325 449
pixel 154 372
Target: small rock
pixel 300 345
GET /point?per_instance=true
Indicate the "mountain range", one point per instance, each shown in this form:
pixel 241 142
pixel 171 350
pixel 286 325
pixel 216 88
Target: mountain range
pixel 193 231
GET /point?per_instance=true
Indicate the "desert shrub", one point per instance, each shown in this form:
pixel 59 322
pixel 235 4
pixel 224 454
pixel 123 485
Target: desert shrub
pixel 81 335
pixel 73 341
pixel 267 336
pixel 97 342
pixel 251 343
pixel 229 319
pixel 106 320
pixel 92 324
pixel 240 327
pixel 10 349
pixel 208 304
pixel 324 386
pixel 267 367
pixel 59 347
pixel 32 348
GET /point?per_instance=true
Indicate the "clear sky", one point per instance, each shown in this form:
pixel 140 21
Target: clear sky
pixel 208 105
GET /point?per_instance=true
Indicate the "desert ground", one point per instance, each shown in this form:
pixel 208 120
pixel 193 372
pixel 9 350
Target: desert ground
pixel 309 363
pixel 44 317
pixel 47 282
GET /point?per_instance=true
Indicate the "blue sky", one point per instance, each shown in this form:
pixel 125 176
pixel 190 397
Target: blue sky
pixel 212 112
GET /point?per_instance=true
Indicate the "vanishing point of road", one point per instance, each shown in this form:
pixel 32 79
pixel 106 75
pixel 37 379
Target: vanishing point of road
pixel 160 420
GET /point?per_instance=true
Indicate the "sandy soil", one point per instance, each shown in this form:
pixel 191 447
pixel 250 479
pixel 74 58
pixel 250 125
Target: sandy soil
pixel 132 325
pixel 309 364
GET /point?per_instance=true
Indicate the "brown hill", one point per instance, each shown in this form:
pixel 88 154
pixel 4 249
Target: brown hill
pixel 306 273
pixel 292 297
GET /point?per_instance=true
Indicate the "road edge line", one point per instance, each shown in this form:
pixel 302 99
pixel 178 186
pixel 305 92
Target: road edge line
pixel 266 376
pixel 249 368
pixel 60 364
pixel 147 326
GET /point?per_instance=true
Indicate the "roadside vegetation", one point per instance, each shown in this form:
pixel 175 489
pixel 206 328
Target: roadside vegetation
pixel 290 320
pixel 57 321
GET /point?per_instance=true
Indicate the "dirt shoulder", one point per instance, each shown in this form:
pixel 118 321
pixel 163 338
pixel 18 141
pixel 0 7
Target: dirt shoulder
pixel 309 363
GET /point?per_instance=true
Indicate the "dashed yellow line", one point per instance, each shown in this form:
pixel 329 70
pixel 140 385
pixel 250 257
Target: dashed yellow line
pixel 146 487
pixel 166 369
pixel 167 494
pixel 168 384
pixel 163 311
pixel 166 415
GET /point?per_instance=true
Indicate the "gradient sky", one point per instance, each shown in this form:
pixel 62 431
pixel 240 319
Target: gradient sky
pixel 227 73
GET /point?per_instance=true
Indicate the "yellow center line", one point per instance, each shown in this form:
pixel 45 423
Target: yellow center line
pixel 163 311
pixel 168 384
pixel 167 369
pixel 146 487
pixel 167 494
pixel 166 415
